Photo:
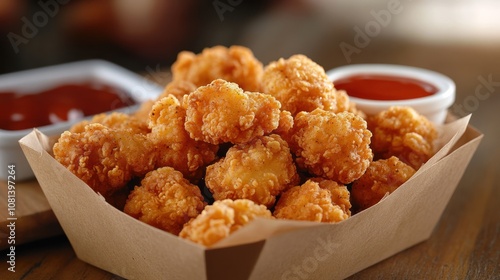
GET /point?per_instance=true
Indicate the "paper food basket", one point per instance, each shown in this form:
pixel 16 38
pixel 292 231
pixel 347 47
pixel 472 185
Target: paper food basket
pixel 107 238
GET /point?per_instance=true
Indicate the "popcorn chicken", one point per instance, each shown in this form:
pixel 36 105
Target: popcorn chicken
pixel 221 219
pixel 259 170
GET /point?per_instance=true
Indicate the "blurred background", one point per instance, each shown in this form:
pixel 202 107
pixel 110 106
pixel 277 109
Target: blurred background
pixel 459 38
pixel 135 34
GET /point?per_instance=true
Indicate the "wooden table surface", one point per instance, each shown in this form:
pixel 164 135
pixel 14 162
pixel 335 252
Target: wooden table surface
pixel 465 244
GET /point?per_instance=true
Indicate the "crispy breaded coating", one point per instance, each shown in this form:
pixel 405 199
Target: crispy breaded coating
pixel 142 113
pixel 165 200
pixel 285 126
pixel 404 133
pixel 259 170
pixel 172 143
pixel 235 64
pixel 105 158
pixel 333 146
pixel 340 194
pixel 314 201
pixel 222 218
pixel 285 123
pixel 382 176
pixel 300 84
pixel 222 112
pixel 176 88
pixel 344 104
pixel 115 120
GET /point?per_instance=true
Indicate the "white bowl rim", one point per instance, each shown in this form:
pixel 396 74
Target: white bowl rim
pixel 444 97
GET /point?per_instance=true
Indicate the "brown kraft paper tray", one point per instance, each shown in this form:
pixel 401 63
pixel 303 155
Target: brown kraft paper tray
pixel 107 238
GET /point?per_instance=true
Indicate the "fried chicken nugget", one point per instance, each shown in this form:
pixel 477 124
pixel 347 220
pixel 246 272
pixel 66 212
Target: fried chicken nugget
pixel 382 176
pixel 404 133
pixel 105 158
pixel 235 64
pixel 344 104
pixel 222 112
pixel 222 218
pixel 259 170
pixel 285 123
pixel 142 113
pixel 177 88
pixel 173 145
pixel 165 200
pixel 333 146
pixel 316 200
pixel 300 84
pixel 340 194
pixel 115 120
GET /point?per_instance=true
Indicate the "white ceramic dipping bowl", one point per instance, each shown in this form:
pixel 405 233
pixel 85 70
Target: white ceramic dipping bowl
pixel 36 80
pixel 434 107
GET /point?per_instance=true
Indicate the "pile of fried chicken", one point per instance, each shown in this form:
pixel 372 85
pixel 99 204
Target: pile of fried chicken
pixel 230 140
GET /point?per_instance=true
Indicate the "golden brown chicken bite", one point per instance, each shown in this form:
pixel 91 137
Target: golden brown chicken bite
pixel 383 176
pixel 333 146
pixel 259 170
pixel 114 120
pixel 285 123
pixel 300 84
pixel 235 64
pixel 165 200
pixel 222 112
pixel 144 109
pixel 172 143
pixel 340 194
pixel 404 133
pixel 177 88
pixel 315 200
pixel 222 218
pixel 105 158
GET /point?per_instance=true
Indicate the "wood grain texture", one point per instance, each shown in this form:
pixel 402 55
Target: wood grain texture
pixel 465 243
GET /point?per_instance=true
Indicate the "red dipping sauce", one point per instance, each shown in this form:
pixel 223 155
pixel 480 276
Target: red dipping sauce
pixel 384 87
pixel 59 104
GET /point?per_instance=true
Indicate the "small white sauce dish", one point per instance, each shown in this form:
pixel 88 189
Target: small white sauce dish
pixel 32 81
pixel 434 107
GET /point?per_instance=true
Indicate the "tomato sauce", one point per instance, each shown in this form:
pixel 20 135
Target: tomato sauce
pixel 384 87
pixel 61 103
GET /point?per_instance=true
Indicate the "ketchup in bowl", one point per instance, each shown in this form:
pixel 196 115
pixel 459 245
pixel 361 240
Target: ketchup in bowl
pixel 384 87
pixel 59 104
pixel 376 87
